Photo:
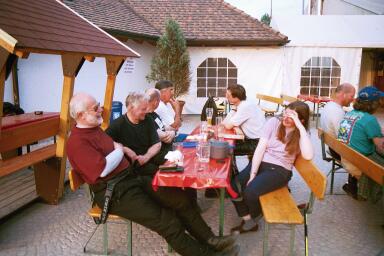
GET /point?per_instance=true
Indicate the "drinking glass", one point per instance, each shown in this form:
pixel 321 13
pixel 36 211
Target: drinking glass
pixel 209 113
pixel 203 152
pixel 219 120
pixel 203 127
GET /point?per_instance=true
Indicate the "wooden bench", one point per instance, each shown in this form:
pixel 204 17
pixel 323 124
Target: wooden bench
pixel 287 99
pixel 279 207
pixel 271 99
pixel 75 182
pixel 14 164
pixel 21 130
pixel 370 168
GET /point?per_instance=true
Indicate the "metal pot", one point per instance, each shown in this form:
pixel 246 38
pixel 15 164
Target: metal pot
pixel 219 149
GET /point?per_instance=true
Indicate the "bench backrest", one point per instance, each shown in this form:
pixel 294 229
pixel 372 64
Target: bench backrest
pixel 268 98
pixel 19 135
pixel 363 163
pixel 288 98
pixel 314 178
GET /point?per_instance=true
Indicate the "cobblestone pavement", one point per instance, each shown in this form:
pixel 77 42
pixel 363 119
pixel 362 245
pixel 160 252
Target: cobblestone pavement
pixel 339 225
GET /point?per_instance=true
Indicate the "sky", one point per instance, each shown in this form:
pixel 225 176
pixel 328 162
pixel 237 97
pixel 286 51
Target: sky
pixel 257 8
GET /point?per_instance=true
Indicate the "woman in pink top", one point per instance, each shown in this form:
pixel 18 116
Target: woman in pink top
pixel 281 142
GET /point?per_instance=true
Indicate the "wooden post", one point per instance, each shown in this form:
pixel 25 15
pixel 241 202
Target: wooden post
pixel 3 60
pixel 113 66
pixel 50 175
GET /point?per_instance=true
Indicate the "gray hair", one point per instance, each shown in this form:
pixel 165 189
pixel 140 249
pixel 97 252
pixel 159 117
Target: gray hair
pixel 78 104
pixel 135 98
pixel 153 94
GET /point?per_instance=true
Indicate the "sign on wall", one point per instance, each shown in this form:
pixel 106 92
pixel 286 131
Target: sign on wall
pixel 129 66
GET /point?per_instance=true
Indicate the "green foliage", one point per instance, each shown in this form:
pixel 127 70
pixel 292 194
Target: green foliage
pixel 266 19
pixel 171 60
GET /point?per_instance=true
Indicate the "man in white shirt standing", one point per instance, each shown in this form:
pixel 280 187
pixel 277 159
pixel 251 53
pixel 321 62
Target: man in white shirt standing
pixel 168 108
pixel 330 119
pixel 247 116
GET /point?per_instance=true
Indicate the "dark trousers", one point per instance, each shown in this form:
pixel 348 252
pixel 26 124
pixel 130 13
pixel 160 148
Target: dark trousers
pixel 132 200
pixel 269 178
pixel 184 205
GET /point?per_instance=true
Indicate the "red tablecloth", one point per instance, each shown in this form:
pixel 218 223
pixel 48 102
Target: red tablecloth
pixel 314 99
pixel 196 175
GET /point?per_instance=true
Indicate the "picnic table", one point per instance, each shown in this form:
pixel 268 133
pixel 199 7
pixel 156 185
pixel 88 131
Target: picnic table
pixel 214 174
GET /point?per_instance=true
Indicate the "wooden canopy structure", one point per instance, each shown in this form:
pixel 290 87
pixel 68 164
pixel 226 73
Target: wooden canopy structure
pixel 50 27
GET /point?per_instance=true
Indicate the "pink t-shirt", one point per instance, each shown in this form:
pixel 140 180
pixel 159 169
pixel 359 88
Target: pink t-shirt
pixel 275 152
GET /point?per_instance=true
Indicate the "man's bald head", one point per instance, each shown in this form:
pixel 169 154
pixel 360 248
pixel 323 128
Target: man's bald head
pixel 344 94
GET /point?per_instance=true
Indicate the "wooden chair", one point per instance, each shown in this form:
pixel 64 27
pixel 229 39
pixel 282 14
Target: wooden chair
pixel 275 100
pixel 327 156
pixel 279 207
pixel 75 182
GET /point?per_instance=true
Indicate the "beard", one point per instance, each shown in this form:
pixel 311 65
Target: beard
pixel 94 120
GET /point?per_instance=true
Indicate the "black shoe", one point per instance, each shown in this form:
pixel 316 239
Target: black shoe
pixel 350 190
pixel 234 251
pixel 220 243
pixel 239 229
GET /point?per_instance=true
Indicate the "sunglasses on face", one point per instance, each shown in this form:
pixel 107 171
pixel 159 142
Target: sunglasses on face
pixel 95 107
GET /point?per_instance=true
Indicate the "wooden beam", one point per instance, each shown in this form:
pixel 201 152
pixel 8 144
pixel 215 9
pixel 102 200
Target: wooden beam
pixel 15 83
pixel 7 42
pixel 22 54
pixel 113 66
pixel 71 64
pixel 89 58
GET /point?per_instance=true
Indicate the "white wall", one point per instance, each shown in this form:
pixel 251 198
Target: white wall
pixel 259 70
pixel 41 79
pixel 349 60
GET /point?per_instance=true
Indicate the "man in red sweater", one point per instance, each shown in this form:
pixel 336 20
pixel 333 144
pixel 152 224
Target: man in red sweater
pixel 97 159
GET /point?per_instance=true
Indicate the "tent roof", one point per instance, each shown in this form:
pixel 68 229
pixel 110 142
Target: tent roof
pixel 48 26
pixel 365 31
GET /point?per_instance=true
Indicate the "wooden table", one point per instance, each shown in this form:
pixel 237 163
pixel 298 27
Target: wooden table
pixel 215 174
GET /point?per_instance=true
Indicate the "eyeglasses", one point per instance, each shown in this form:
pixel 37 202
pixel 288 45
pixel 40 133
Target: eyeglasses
pixel 95 107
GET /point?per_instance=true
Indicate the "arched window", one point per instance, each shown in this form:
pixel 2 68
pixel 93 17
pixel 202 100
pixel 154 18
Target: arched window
pixel 214 75
pixel 319 76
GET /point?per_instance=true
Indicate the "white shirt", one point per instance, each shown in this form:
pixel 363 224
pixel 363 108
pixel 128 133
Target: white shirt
pixel 331 117
pixel 166 113
pixel 249 117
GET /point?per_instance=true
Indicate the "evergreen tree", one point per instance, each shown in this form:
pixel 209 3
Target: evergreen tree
pixel 266 19
pixel 171 60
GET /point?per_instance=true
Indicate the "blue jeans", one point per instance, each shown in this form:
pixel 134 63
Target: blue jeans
pixel 269 178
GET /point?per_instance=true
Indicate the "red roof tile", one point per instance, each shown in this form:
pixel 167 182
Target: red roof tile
pixel 208 22
pixel 49 26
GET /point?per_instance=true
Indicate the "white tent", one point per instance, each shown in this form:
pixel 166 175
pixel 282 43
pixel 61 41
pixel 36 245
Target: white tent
pixel 341 37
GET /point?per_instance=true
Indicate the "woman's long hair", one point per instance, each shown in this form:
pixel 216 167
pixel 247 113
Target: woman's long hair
pixel 292 140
